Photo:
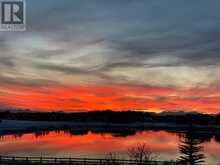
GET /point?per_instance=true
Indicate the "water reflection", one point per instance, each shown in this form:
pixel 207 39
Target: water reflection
pixel 203 136
pixel 94 143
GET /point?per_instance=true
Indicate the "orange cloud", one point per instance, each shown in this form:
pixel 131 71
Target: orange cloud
pixel 115 97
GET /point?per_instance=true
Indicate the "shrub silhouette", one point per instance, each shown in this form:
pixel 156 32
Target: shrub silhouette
pixel 141 154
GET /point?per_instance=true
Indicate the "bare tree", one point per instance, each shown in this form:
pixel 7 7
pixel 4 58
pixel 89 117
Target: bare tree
pixel 111 158
pixel 141 154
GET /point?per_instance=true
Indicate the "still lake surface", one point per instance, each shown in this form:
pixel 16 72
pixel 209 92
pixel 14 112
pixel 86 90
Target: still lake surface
pixel 65 144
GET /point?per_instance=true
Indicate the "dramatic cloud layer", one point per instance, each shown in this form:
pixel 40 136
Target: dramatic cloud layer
pixel 138 49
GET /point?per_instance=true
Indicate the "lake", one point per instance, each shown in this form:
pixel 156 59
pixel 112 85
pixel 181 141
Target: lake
pixel 89 144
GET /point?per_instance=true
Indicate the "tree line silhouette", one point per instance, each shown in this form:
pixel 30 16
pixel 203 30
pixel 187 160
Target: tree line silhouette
pixel 114 117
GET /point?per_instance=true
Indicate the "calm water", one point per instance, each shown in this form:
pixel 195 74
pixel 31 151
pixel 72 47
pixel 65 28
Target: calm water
pixel 64 144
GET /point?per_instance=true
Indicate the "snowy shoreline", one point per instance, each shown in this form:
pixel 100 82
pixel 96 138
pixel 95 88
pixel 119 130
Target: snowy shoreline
pixel 20 126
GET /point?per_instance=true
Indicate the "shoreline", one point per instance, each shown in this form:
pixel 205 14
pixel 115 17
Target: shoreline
pixel 8 127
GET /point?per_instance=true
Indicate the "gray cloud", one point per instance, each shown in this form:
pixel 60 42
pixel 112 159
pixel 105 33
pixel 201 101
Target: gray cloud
pixel 7 61
pixel 109 42
pixel 26 82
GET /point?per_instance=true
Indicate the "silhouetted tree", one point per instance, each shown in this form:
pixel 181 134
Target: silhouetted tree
pixel 141 154
pixel 217 138
pixel 191 149
pixel 111 158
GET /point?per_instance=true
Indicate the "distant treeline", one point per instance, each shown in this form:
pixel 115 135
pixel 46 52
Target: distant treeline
pixel 113 117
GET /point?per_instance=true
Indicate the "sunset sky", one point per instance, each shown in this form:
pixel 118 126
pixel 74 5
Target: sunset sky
pixel 80 55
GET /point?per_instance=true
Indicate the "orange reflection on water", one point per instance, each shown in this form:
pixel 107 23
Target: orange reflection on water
pixel 63 144
pixel 91 144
